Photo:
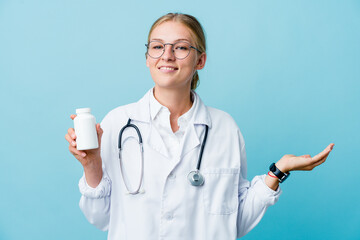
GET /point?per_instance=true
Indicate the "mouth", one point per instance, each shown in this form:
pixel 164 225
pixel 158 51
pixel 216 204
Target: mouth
pixel 167 69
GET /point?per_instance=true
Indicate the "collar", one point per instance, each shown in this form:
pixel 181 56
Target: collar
pixel 140 111
pixel 155 106
pixel 158 110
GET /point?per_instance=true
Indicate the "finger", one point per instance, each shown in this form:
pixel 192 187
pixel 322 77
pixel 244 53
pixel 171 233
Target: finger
pixel 306 156
pixel 72 116
pixel 321 161
pixel 317 163
pixel 326 151
pixel 71 133
pixel 70 140
pixel 76 152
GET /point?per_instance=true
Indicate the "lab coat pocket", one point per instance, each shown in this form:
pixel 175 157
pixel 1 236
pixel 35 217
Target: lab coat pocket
pixel 220 190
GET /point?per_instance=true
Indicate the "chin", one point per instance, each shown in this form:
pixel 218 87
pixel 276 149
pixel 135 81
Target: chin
pixel 169 84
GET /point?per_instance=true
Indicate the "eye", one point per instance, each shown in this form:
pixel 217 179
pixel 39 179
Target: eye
pixel 156 46
pixel 181 47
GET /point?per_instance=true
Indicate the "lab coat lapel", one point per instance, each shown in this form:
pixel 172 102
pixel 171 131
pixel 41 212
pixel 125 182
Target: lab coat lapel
pixel 156 142
pixel 197 128
pixel 191 140
pixel 140 111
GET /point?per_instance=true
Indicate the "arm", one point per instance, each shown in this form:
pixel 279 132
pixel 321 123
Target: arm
pixel 264 191
pixel 95 185
pixel 254 197
pixel 89 159
pixel 95 202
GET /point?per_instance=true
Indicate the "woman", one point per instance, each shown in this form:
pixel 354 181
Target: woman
pixel 165 201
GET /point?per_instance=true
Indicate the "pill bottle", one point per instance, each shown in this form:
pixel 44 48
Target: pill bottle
pixel 85 129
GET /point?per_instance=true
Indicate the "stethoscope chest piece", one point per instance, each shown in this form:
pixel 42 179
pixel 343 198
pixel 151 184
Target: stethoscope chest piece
pixel 196 178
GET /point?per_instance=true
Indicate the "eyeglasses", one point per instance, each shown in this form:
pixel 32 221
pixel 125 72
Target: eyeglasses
pixel 155 49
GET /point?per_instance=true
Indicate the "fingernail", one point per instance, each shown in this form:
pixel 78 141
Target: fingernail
pixel 73 143
pixel 73 135
pixel 83 154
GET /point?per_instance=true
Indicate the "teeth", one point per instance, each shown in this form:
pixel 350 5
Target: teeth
pixel 167 68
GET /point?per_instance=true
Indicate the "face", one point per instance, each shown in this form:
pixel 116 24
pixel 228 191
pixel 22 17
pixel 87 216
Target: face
pixel 167 71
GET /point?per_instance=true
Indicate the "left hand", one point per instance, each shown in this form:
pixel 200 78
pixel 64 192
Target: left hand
pixel 291 162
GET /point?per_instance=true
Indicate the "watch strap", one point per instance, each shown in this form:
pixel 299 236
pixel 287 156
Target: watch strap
pixel 279 174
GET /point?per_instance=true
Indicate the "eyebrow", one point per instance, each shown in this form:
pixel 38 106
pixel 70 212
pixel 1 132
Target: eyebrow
pixel 177 40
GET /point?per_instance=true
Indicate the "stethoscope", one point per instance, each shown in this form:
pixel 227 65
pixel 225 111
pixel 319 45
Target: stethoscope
pixel 195 177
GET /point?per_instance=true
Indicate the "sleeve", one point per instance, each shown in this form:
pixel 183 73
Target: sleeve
pixel 95 202
pixel 254 197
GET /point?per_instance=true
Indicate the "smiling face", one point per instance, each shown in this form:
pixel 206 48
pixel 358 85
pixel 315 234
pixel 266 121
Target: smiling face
pixel 167 71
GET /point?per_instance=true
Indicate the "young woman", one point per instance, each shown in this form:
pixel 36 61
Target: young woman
pixel 188 181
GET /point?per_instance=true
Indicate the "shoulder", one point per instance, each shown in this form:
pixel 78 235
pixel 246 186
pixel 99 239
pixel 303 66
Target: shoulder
pixel 222 118
pixel 224 124
pixel 117 114
pixel 136 111
pixel 119 111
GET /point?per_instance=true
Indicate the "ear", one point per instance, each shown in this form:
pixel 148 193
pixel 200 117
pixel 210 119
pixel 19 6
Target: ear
pixel 201 61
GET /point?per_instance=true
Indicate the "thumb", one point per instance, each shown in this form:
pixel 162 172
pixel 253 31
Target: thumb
pixel 306 156
pixel 99 132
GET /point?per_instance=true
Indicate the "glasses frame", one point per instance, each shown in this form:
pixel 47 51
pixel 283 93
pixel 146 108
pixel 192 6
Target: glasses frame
pixel 172 49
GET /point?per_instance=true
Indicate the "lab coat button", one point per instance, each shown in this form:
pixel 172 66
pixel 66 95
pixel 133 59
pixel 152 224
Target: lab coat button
pixel 168 216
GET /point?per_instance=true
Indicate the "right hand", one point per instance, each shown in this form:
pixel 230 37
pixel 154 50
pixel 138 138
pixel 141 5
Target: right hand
pixel 89 159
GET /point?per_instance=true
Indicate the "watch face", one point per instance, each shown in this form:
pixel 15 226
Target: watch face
pixel 273 167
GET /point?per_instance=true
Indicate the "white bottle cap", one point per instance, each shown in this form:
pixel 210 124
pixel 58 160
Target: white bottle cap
pixel 83 110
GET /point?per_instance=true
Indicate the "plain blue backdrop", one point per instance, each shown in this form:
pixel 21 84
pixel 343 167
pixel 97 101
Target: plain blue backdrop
pixel 287 71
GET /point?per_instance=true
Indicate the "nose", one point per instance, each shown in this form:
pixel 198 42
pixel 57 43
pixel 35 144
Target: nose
pixel 168 54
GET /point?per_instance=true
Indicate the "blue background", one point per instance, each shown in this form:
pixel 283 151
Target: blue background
pixel 287 71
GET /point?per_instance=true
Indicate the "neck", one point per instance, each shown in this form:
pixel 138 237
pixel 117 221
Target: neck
pixel 177 101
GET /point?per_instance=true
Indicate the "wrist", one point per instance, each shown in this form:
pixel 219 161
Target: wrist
pixel 271 174
pixel 93 174
pixel 272 181
pixel 280 175
pixel 282 166
pixel 92 163
pixel 93 168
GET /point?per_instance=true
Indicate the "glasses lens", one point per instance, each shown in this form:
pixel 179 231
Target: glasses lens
pixel 181 50
pixel 155 49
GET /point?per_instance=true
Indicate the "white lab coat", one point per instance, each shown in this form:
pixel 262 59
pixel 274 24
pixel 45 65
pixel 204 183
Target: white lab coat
pixel 227 206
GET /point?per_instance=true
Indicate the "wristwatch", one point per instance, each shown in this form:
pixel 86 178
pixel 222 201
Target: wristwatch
pixel 279 174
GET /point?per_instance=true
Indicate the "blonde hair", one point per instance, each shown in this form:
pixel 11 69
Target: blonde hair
pixel 196 30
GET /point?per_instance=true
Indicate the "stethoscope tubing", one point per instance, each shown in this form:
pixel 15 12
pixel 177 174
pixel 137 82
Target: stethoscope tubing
pixel 123 129
pixel 142 157
pixel 202 148
pixel 195 177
